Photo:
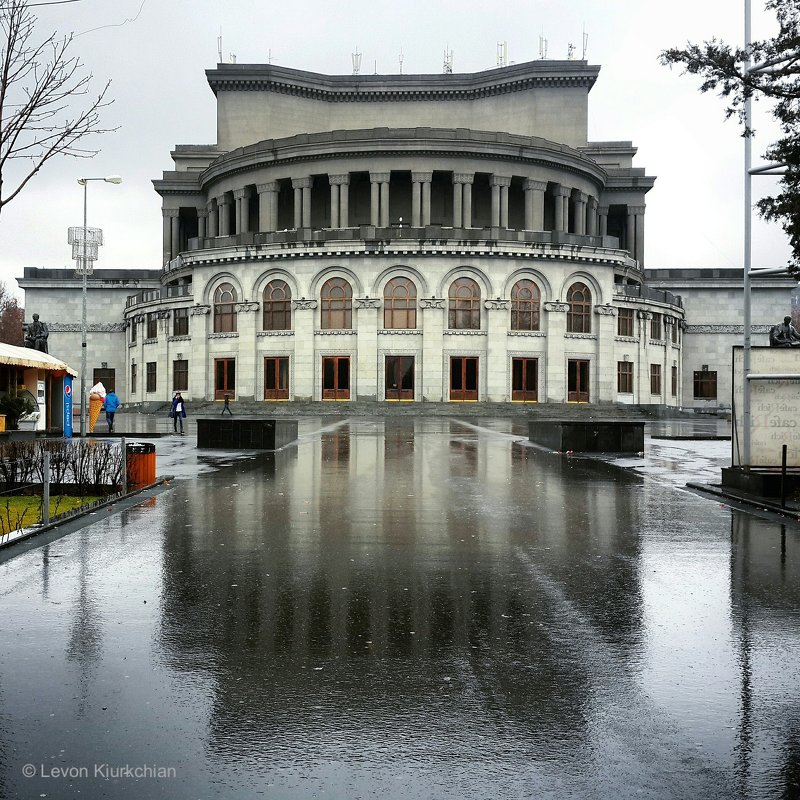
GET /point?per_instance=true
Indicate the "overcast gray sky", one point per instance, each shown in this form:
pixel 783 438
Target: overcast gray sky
pixel 155 53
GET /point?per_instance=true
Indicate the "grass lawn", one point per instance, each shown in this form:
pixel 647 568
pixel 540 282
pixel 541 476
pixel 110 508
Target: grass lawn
pixel 23 511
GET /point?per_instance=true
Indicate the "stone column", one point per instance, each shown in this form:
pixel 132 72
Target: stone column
pixel 556 378
pixel 237 211
pixel 242 210
pixel 605 326
pixel 375 200
pixel 496 363
pixel 561 194
pixel 495 203
pixel 366 323
pixel 592 221
pixel 630 243
pixel 247 322
pixel 457 196
pixel 602 217
pixel 202 216
pixel 423 179
pixel 580 213
pixel 224 216
pixel 334 223
pixel 267 206
pixel 200 324
pixel 534 204
pixel 385 202
pixel 213 219
pixel 303 322
pixel 306 187
pixel 416 201
pixel 500 184
pixel 638 252
pixel 434 315
pixel 175 233
pixel 466 212
pixel 167 215
pixel 297 185
pixel 340 186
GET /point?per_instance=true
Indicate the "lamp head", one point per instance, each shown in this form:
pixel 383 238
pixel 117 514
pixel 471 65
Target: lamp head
pixel 113 179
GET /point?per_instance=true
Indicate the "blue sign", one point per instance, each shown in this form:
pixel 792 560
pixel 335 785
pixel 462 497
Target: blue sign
pixel 68 405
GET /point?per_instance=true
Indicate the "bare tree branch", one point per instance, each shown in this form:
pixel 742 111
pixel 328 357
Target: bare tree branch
pixel 45 105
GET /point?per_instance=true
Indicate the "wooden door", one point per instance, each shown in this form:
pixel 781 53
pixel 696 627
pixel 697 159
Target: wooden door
pixel 399 377
pixel 463 378
pixel 577 381
pixel 336 378
pixel 224 378
pixel 525 380
pixel 276 378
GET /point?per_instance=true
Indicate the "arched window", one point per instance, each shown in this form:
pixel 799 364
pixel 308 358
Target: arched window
pixel 579 316
pixel 224 311
pixel 465 305
pixel 277 306
pixel 336 299
pixel 400 304
pixel 525 300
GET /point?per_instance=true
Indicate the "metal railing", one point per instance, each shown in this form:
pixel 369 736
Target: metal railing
pixel 154 295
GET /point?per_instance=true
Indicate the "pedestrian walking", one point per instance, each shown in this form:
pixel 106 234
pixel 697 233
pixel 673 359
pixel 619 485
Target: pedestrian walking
pixel 227 406
pixel 178 411
pixel 111 405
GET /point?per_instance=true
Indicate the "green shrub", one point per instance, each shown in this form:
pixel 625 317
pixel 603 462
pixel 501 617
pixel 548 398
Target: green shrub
pixel 15 406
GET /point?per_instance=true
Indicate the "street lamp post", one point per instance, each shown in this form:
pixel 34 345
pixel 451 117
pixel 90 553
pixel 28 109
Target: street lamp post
pixel 84 269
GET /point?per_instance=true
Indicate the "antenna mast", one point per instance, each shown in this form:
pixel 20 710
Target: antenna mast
pixel 502 54
pixel 585 43
pixel 447 68
pixel 542 46
pixel 356 57
pixel 401 60
pixel 219 47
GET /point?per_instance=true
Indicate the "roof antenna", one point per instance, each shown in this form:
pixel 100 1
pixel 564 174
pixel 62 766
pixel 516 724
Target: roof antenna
pixel 542 46
pixel 401 60
pixel 502 54
pixel 219 46
pixel 447 68
pixel 356 57
pixel 570 51
pixel 585 42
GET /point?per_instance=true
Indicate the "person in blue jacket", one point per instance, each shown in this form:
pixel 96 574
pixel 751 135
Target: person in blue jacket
pixel 178 411
pixel 111 405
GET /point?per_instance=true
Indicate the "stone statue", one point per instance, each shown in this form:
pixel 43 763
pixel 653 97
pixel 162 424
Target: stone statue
pixel 36 334
pixel 784 335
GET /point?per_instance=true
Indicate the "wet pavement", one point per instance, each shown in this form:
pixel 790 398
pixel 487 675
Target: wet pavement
pixel 408 608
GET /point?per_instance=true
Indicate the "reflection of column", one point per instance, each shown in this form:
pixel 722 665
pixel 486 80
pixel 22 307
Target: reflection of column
pixel 462 195
pixel 534 204
pixel 268 206
pixel 591 229
pixel 500 184
pixel 213 219
pixel 561 195
pixel 602 216
pixel 202 215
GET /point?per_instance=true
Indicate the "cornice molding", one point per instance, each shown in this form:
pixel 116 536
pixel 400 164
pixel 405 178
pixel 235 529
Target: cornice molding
pixel 275 333
pixel 95 327
pixel 539 334
pixel 399 332
pixel 470 332
pixel 335 332
pixel 226 335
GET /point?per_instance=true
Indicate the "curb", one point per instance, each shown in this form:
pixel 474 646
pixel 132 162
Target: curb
pixel 760 503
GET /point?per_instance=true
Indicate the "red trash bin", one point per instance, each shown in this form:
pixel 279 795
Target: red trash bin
pixel 141 457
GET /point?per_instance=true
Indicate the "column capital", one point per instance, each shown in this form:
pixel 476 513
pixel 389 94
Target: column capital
pixel 636 209
pixel 556 306
pixel 202 212
pixel 247 305
pixel 605 311
pixel 463 177
pixel 271 186
pixel 380 177
pixel 170 212
pixel 421 177
pixel 581 197
pixel 301 183
pixel 222 200
pixel 592 202
pixel 432 302
pixel 339 180
pixel 500 180
pixel 534 185
pixel 562 191
pixel 304 305
pixel 367 302
pixel 238 194
pixel 497 305
pixel 602 210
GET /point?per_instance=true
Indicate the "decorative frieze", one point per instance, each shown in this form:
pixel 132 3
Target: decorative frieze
pixel 304 305
pixel 399 332
pixel 556 306
pixel 580 335
pixel 154 340
pixel 431 302
pixel 199 309
pixel 450 332
pixel 179 338
pixel 724 328
pixel 275 333
pixel 226 335
pixel 95 327
pixel 605 311
pixel 246 307
pixel 497 305
pixel 539 334
pixel 367 302
pixel 336 332
pixel 630 339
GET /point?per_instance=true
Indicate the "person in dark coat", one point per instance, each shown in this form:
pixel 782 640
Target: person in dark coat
pixel 178 411
pixel 111 404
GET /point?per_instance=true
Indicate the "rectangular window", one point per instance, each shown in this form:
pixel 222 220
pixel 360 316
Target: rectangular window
pixel 674 381
pixel 625 322
pixel 655 379
pixel 180 376
pixel 180 322
pixel 655 326
pixel 150 385
pixel 625 377
pixel 133 379
pixel 705 384
pixel 152 325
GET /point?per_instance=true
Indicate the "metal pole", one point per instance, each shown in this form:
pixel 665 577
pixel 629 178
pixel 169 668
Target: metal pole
pixel 784 448
pixel 46 489
pixel 83 320
pixel 748 202
pixel 124 466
